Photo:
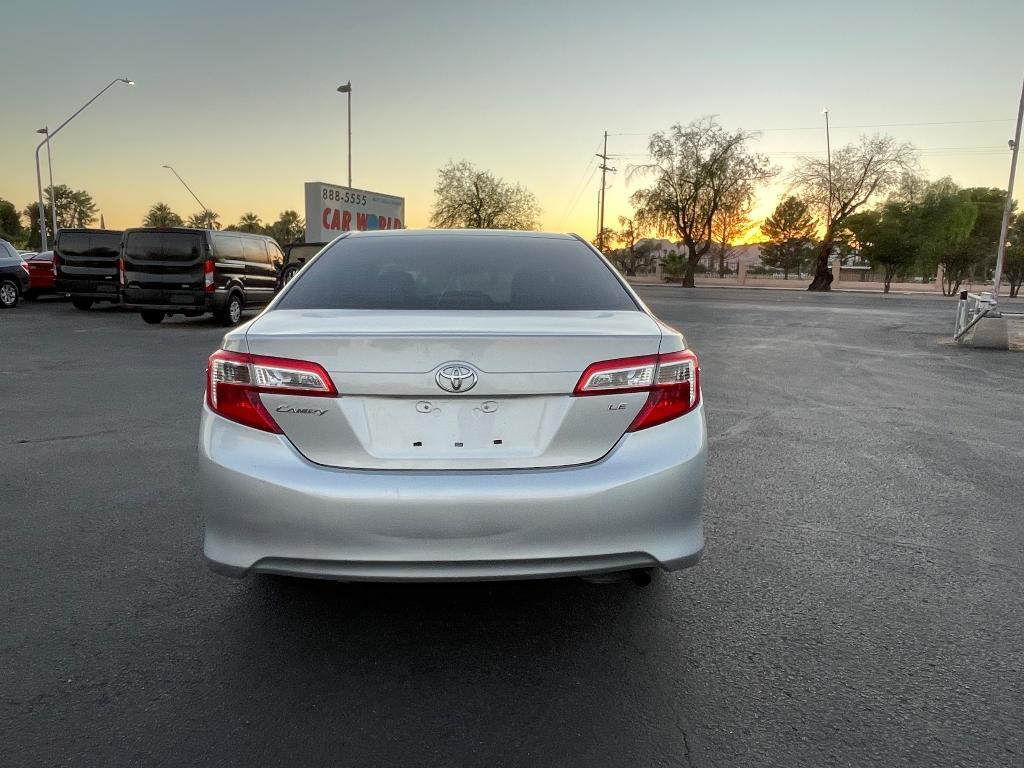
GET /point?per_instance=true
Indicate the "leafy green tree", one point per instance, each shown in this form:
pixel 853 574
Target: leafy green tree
pixel 983 241
pixel 888 238
pixel 697 171
pixel 1013 266
pixel 469 198
pixel 673 266
pixel 10 222
pixel 790 231
pixel 80 209
pixel 946 219
pixel 75 208
pixel 858 174
pixel 249 222
pixel 289 227
pixel 161 215
pixel 205 219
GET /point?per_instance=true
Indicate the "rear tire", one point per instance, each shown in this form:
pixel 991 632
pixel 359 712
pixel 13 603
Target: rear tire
pixel 289 273
pixel 8 294
pixel 152 316
pixel 231 313
pixel 81 302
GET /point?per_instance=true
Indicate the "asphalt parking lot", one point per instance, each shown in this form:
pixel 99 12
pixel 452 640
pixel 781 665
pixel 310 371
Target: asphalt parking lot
pixel 859 603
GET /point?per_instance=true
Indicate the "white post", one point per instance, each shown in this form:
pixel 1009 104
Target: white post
pixel 1001 252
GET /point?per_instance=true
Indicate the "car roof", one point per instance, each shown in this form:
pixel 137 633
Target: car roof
pixel 79 230
pixel 462 233
pixel 196 230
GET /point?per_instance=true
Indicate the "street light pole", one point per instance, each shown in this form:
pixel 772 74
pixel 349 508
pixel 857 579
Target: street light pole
pixel 1008 206
pixel 186 186
pixel 53 197
pixel 42 210
pixel 46 141
pixel 347 89
pixel 828 150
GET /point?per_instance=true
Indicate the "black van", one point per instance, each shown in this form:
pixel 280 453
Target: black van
pixel 86 264
pixel 181 271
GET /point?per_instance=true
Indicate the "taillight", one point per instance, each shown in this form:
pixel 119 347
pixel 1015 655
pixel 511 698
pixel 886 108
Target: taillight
pixel 234 382
pixel 56 262
pixel 120 271
pixel 672 382
pixel 24 265
pixel 208 276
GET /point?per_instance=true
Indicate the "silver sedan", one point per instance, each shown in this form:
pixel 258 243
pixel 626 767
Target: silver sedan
pixel 444 405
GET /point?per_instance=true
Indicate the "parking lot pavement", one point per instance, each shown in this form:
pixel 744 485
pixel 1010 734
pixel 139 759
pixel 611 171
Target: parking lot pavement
pixel 860 600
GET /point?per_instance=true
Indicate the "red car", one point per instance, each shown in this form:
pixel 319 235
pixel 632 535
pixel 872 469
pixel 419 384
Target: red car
pixel 41 273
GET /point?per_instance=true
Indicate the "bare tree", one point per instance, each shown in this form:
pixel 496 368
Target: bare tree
pixel 732 223
pixel 635 254
pixel 698 170
pixel 860 172
pixel 469 198
pixel 604 239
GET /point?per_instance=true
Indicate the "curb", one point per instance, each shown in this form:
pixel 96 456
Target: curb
pixel 798 290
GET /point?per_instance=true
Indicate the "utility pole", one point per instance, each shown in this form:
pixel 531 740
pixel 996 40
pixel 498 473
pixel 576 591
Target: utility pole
pixel 600 216
pixel 1008 207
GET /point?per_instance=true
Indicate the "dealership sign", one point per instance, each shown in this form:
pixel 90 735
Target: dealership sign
pixel 331 210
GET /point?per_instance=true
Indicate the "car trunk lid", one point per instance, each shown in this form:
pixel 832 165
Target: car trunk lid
pixel 395 371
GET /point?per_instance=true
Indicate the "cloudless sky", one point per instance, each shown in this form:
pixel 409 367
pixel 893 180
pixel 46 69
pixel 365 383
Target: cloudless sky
pixel 240 96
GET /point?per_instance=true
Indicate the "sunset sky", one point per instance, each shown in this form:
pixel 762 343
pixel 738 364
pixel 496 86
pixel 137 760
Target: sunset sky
pixel 240 97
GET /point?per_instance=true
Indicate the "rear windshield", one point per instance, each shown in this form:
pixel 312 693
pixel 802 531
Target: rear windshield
pixel 457 272
pixel 95 244
pixel 168 246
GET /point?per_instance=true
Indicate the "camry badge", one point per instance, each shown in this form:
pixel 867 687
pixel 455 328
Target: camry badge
pixel 456 377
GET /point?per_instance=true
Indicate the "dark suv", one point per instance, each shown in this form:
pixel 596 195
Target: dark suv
pixel 180 271
pixel 86 265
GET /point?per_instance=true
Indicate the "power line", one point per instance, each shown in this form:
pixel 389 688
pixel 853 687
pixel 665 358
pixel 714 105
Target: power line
pixel 585 180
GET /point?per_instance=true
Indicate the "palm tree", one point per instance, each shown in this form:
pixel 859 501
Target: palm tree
pixel 204 220
pixel 288 228
pixel 249 222
pixel 161 215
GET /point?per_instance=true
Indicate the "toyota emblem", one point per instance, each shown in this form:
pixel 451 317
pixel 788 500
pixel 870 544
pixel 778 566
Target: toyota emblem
pixel 456 377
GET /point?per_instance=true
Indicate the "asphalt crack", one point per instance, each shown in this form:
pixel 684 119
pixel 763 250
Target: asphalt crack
pixel 58 438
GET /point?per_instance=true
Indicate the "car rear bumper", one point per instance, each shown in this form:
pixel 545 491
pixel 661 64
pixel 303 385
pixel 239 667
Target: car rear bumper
pixel 268 509
pixel 169 301
pixel 92 289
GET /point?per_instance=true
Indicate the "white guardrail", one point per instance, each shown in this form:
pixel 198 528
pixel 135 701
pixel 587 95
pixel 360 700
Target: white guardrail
pixel 970 309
